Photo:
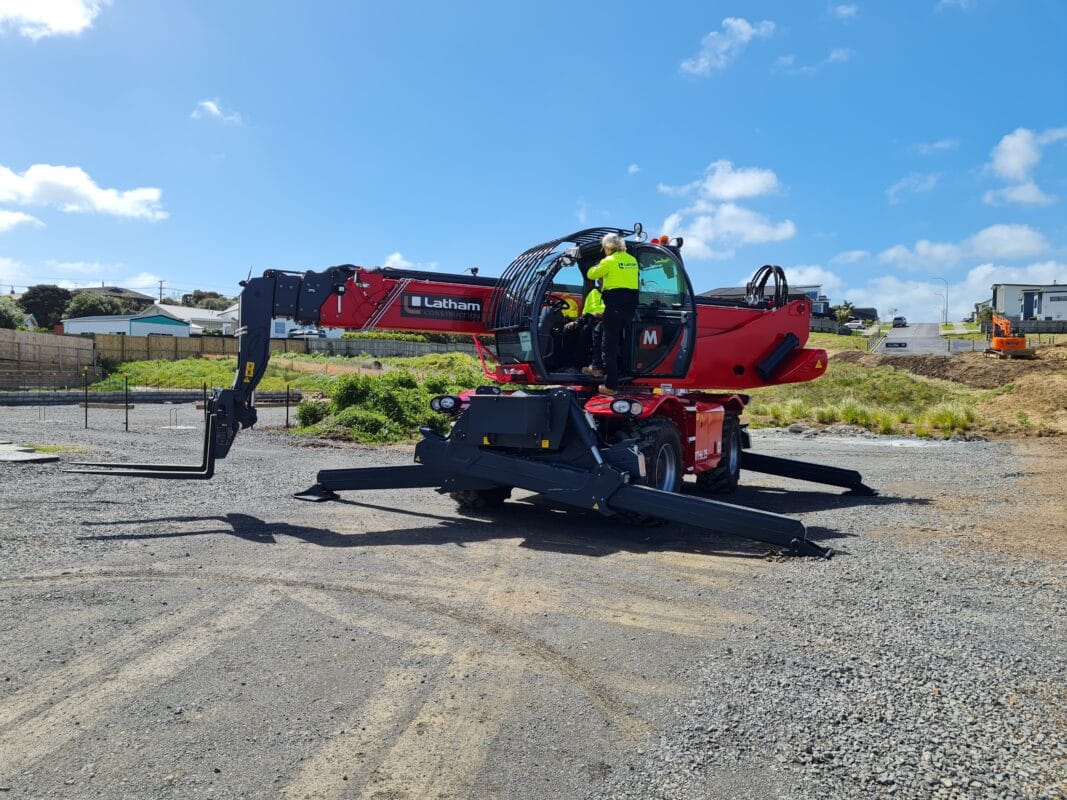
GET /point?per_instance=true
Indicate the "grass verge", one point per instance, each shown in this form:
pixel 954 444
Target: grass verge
pixel 880 399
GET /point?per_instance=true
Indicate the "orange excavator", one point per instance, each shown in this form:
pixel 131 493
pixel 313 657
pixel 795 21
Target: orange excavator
pixel 1003 343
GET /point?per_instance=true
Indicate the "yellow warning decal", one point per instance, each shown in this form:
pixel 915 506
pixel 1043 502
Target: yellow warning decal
pixel 485 440
pixel 818 365
pixel 250 369
pixel 544 444
pixel 418 460
pixel 596 506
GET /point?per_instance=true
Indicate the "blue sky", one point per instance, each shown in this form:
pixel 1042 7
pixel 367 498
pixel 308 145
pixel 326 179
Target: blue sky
pixel 881 149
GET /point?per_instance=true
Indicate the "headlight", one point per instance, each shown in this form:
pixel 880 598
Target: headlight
pixel 446 403
pixel 620 406
pixel 636 408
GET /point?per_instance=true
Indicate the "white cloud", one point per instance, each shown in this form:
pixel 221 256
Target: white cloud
pixel 813 275
pixel 397 261
pixel 720 48
pixel 962 5
pixel 941 145
pixel 12 273
pixel 846 11
pixel 1007 242
pixel 722 182
pixel 36 19
pixel 212 109
pixel 1027 193
pixel 713 225
pixel 924 254
pixel 71 189
pixel 914 182
pixel 717 233
pixel 787 63
pixel 78 267
pixel 9 219
pixel 995 242
pixel 1014 159
pixel 850 257
pixel 633 169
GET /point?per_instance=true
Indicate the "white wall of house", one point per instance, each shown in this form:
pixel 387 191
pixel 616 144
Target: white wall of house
pixel 111 324
pixel 1053 304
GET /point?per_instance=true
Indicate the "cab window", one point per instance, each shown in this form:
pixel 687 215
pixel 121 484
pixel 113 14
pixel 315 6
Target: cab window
pixel 661 281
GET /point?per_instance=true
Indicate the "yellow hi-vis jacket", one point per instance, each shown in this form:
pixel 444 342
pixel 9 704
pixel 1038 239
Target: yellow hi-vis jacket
pixel 594 303
pixel 619 271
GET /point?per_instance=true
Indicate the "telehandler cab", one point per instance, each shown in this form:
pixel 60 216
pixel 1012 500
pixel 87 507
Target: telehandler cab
pixel 541 425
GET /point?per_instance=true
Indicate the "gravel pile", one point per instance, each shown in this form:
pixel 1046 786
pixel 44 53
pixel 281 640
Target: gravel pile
pixel 904 668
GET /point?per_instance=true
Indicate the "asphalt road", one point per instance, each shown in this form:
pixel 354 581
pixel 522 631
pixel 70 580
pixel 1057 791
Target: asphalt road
pixel 921 338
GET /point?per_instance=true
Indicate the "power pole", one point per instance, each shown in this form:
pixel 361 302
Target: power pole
pixel 161 291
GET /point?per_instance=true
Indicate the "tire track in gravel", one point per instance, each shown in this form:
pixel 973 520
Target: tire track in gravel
pixel 620 716
pixel 38 736
pixel 43 692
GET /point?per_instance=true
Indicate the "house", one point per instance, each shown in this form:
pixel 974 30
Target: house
pixel 1046 303
pixel 146 324
pixel 29 322
pixel 865 314
pixel 199 320
pixel 1008 298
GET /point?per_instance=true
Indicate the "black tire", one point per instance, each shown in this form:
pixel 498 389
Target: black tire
pixel 481 498
pixel 723 479
pixel 661 444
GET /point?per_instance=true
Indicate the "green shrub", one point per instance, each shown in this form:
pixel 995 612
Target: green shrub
pixel 853 412
pixel 368 426
pixel 950 418
pixel 827 414
pixel 349 390
pixel 884 422
pixel 311 412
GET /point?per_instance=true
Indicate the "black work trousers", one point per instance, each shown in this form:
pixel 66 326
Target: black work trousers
pixel 620 305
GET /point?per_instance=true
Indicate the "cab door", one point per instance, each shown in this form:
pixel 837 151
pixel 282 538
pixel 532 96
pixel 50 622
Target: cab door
pixel 663 333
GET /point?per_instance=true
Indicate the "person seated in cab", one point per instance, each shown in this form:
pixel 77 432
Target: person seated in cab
pixel 585 331
pixel 618 271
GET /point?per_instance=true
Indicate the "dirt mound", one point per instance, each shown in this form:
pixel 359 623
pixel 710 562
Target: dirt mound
pixel 971 369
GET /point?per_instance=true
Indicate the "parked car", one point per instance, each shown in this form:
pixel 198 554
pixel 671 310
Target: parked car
pixel 856 324
pixel 900 322
pixel 307 333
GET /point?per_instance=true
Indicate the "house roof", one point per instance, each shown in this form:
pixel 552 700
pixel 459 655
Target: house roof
pixel 117 292
pixel 189 314
pixel 102 318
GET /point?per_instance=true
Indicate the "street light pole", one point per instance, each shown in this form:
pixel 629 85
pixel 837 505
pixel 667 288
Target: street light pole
pixel 945 320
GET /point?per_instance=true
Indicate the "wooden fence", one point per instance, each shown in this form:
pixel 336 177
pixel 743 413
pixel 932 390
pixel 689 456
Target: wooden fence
pixel 114 347
pixel 382 348
pixel 45 360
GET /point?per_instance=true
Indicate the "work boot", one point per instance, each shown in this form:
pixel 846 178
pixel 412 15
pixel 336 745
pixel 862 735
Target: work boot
pixel 593 372
pixel 607 390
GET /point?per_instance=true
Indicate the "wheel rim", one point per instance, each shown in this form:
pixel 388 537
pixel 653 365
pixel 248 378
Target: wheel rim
pixel 666 468
pixel 733 458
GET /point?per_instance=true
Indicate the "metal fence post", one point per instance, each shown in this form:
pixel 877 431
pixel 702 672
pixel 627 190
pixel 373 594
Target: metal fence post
pixel 126 398
pixel 86 373
pixel 287 405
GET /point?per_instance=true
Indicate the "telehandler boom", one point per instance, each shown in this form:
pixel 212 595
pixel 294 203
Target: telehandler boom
pixel 541 425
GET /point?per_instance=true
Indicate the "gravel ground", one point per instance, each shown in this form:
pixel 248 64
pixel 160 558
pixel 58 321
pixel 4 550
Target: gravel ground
pixel 216 639
pixel 924 663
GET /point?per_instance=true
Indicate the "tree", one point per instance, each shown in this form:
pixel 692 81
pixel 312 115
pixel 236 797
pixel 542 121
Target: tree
pixel 210 300
pixel 46 302
pixel 90 304
pixel 843 312
pixel 11 315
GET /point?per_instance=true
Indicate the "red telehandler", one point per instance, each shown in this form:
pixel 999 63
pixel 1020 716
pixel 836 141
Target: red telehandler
pixel 541 425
